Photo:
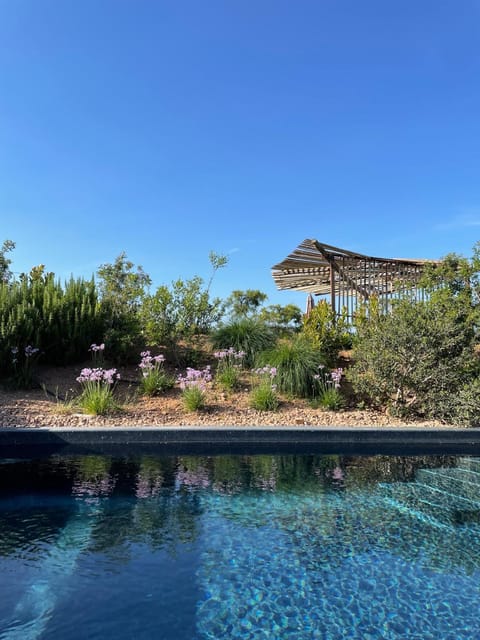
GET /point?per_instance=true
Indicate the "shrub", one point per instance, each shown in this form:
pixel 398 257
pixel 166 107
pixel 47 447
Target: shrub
pixel 122 288
pixel 97 390
pixel 194 386
pixel 329 332
pixel 296 361
pixel 154 378
pixel 183 311
pixel 248 335
pixel 467 407
pixel 263 396
pixel 416 358
pixel 229 365
pixel 60 320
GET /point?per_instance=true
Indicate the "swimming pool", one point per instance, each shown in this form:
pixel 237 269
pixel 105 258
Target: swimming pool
pixel 258 546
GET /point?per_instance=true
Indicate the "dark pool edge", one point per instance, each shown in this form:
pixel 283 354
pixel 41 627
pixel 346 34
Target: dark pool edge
pixel 235 439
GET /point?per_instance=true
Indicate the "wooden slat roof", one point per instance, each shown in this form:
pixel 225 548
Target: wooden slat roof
pixel 307 268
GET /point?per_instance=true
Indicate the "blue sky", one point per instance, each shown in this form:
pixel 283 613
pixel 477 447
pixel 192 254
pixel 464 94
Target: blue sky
pixel 167 129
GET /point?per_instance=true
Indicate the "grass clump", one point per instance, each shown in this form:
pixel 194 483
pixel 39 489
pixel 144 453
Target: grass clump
pixel 194 386
pixel 296 361
pixel 248 335
pixel 263 396
pixel 229 368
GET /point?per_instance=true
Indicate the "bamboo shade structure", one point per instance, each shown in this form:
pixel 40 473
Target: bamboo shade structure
pixel 346 277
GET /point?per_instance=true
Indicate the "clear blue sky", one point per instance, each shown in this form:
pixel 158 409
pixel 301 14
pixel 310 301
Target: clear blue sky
pixel 167 128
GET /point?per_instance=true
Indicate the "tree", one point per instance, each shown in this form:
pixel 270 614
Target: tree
pixel 5 273
pixel 284 318
pixel 244 303
pixel 122 288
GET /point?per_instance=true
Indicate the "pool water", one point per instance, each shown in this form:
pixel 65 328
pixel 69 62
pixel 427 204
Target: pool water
pixel 247 547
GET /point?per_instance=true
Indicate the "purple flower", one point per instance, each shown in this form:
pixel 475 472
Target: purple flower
pixel 195 378
pixel 107 376
pixel 229 354
pixel 97 347
pixel 149 362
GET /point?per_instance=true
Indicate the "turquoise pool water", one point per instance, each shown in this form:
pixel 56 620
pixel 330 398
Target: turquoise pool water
pixel 247 547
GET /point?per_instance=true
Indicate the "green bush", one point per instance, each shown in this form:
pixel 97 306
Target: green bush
pixel 249 335
pixel 417 358
pixel 60 320
pixel 329 332
pixel 122 288
pixel 467 406
pixel 297 362
pixel 176 316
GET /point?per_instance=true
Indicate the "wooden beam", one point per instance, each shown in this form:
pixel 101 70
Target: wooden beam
pixel 334 265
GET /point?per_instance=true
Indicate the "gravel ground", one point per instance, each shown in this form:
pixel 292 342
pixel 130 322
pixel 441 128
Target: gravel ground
pixel 36 408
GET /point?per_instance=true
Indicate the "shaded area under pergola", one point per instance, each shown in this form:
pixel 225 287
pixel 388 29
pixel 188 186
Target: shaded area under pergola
pixel 348 278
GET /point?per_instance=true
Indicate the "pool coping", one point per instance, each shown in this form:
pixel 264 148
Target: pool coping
pixel 240 439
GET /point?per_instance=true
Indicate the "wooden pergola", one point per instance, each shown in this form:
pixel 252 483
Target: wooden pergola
pixel 348 278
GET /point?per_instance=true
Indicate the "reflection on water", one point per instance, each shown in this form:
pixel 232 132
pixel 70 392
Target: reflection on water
pixel 240 547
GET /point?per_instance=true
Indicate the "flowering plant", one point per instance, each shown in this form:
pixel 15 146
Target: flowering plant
pixel 23 362
pixel 264 396
pixel 194 385
pixel 154 379
pixel 326 389
pixel 97 390
pixel 229 363
pixel 97 353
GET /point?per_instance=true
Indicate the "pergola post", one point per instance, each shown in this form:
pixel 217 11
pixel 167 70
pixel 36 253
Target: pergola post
pixel 332 290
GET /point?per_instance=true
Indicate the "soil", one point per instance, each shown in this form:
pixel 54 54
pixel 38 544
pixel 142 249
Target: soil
pixel 45 407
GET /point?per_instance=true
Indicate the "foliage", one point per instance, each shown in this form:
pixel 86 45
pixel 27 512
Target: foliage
pixel 329 332
pixel 467 409
pixel 282 318
pixel 296 360
pixel 263 396
pixel 182 311
pixel 5 273
pixel 330 400
pixel 122 288
pixel 194 386
pixel 417 357
pixel 154 378
pixel 97 384
pixel 244 303
pixel 229 364
pixel 62 321
pixel 248 335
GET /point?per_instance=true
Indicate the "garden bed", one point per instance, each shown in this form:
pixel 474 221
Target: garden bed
pixel 44 407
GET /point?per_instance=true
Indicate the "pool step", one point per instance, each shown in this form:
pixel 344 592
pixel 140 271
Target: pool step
pixel 459 482
pixel 433 503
